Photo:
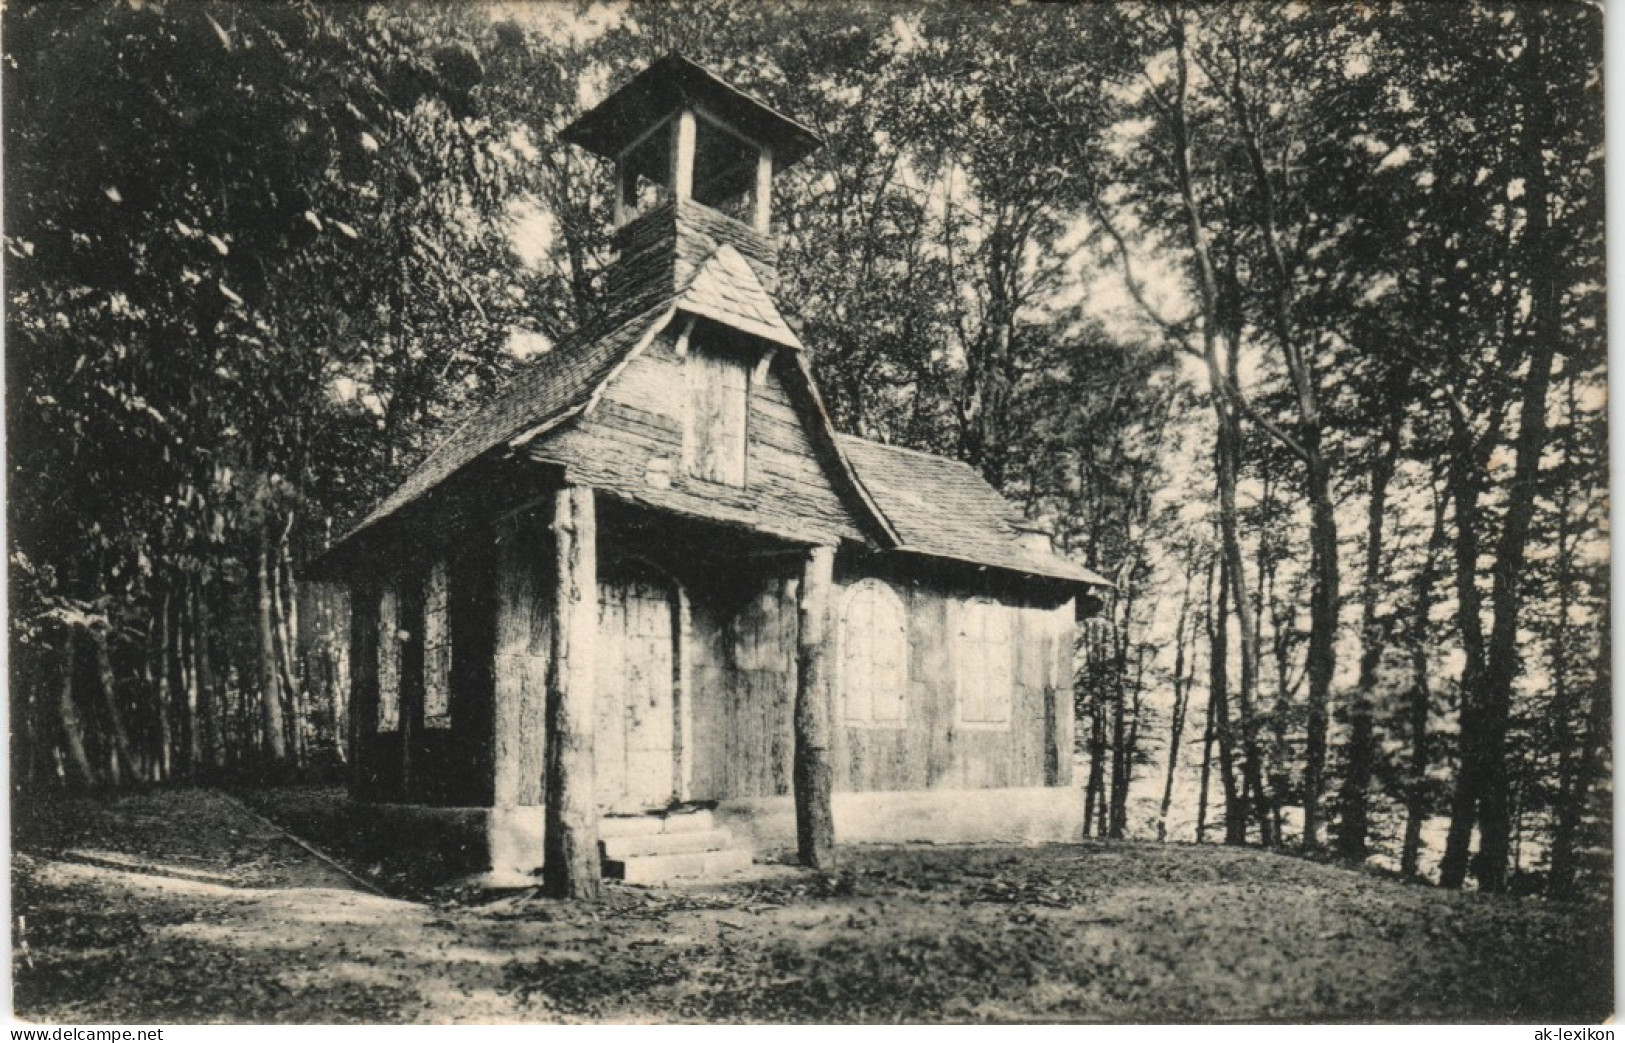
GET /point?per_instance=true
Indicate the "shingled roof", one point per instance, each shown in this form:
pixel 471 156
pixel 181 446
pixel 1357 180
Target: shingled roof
pixel 549 391
pixel 945 509
pixel 726 289
pixel 933 505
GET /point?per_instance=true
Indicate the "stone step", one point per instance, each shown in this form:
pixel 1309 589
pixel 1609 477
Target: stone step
pixel 684 843
pixel 699 820
pixel 657 869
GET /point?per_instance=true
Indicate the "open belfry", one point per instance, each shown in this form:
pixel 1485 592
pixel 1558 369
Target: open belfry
pixel 652 613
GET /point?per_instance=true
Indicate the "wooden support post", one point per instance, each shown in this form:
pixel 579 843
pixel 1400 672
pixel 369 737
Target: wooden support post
pixel 571 864
pixel 625 188
pixel 764 191
pixel 363 684
pixel 815 823
pixel 683 132
pixel 411 682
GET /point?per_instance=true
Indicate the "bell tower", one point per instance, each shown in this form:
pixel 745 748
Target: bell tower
pixel 694 163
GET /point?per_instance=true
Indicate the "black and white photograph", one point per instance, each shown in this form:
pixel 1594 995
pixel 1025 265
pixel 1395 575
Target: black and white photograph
pixel 807 512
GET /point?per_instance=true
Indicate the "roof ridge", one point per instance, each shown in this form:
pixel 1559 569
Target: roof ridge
pixel 747 306
pixel 601 327
pixel 520 386
pixel 910 449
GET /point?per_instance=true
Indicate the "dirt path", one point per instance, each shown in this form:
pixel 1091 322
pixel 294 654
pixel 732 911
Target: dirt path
pixel 180 907
pixel 183 907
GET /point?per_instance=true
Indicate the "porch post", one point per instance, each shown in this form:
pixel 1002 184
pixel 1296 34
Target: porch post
pixel 815 824
pixel 571 864
pixel 363 683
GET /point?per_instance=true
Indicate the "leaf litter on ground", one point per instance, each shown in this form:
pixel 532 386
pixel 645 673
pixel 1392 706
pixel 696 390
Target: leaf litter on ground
pixel 1086 932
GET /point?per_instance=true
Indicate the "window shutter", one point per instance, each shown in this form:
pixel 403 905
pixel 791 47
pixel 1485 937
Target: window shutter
pixel 874 659
pixel 983 663
pixel 718 403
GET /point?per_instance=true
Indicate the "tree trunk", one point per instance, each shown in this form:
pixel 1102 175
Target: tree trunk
pixel 1122 755
pixel 166 723
pixel 1176 728
pixel 1323 610
pixel 192 726
pixel 1235 809
pixel 1094 792
pixel 1361 750
pixel 287 619
pixel 571 863
pixel 1324 597
pixel 1462 476
pixel 276 749
pixel 1576 752
pixel 213 709
pixel 1420 705
pixel 73 733
pixel 815 823
pixel 1563 881
pixel 123 761
pixel 286 670
pixel 1485 785
pixel 1207 770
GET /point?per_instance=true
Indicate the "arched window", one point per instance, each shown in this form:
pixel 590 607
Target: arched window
pixel 982 664
pixel 874 655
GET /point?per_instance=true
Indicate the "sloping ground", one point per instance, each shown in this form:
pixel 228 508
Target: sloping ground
pixel 180 906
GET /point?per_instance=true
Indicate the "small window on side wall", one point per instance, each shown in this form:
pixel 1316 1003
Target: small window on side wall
pixel 982 667
pixel 874 655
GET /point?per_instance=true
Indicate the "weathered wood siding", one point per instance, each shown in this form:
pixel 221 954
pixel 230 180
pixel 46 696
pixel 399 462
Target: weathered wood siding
pixel 636 735
pixel 740 657
pixel 760 644
pixel 423 729
pixel 933 748
pixel 631 446
pixel 523 591
pixel 363 687
pixel 742 654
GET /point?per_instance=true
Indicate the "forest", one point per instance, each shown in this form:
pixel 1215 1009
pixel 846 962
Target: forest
pixel 1288 317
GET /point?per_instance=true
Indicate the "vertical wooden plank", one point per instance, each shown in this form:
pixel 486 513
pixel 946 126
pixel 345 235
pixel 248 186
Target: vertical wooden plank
pixel 1062 723
pixel 930 679
pixel 571 866
pixel 763 221
pixel 709 698
pixel 682 702
pixel 784 747
pixel 472 612
pixel 609 704
pixel 815 824
pixel 624 185
pixel 682 154
pixel 1024 765
pixel 524 582
pixel 363 681
pixel 411 602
